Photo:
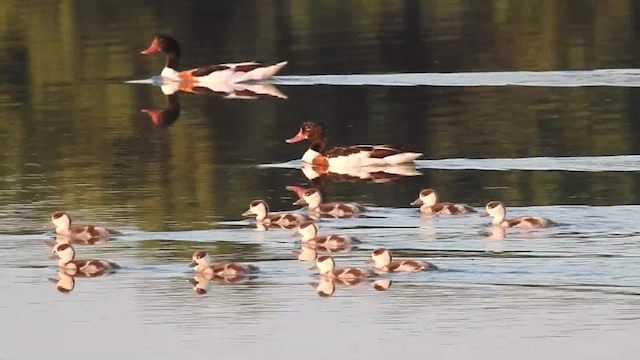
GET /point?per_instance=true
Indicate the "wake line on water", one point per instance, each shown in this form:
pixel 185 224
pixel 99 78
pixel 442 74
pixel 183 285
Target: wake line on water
pixel 600 77
pixel 614 163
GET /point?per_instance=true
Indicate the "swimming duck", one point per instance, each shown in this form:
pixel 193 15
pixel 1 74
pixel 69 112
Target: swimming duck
pixel 327 267
pixel 87 268
pixel 61 221
pixel 309 232
pixel 201 262
pixel 345 157
pixel 260 209
pixel 496 210
pixel 222 73
pixel 428 199
pixel 383 262
pixel 313 199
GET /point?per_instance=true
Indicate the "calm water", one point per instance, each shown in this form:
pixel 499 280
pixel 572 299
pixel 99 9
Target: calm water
pixel 448 78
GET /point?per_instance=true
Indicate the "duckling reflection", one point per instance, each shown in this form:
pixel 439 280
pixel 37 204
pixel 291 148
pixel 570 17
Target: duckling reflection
pixel 381 284
pixel 306 253
pixel 325 288
pixel 65 282
pixel 63 239
pixel 168 116
pixel 497 233
pixel 201 281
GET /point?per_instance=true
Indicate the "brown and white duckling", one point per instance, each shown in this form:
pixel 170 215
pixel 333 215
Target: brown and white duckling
pixel 202 264
pixel 313 199
pixel 260 209
pixel 383 262
pixel 86 268
pixel 309 232
pixel 496 210
pixel 327 267
pixel 65 282
pixel 428 199
pixel 61 221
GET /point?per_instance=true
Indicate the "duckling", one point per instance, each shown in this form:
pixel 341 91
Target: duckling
pixel 61 221
pixel 202 264
pixel 428 199
pixel 309 232
pixel 313 199
pixel 497 211
pixel 86 268
pixel 325 288
pixel 327 267
pixel 383 262
pixel 260 209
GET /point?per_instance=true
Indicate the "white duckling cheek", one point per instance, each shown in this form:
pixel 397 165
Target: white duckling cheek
pixel 313 200
pixel 62 223
pixel 382 260
pixel 430 199
pixel 260 211
pixel 498 215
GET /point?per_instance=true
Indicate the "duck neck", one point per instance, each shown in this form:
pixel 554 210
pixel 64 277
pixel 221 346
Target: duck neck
pixel 172 61
pixel 261 216
pixel 317 145
pixel 426 209
pixel 64 262
pixel 307 237
pixel 499 218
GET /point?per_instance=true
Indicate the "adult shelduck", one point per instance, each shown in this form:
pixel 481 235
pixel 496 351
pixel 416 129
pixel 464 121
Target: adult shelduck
pixel 351 156
pixel 221 73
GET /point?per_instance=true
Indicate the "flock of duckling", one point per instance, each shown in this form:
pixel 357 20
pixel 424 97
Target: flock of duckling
pixel 323 161
pixel 311 243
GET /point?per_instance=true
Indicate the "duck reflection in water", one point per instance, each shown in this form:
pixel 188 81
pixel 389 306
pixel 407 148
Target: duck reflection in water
pixel 65 281
pixel 306 253
pixel 326 287
pixel 62 239
pixel 200 282
pixel 170 114
pixel 373 174
pixel 167 116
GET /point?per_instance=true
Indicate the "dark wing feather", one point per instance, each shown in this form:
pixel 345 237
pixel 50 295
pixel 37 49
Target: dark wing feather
pixel 204 71
pixel 249 67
